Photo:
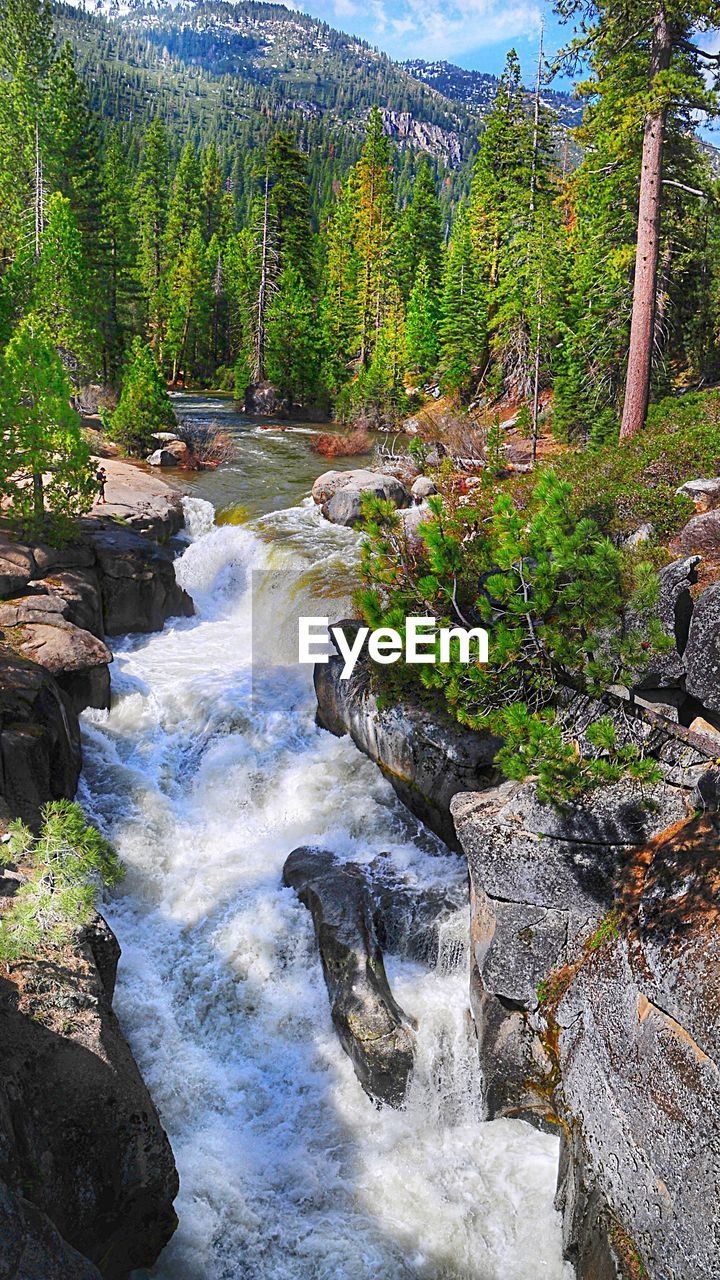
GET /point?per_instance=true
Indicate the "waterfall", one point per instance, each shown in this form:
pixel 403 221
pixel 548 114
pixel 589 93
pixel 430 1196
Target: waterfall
pixel 288 1172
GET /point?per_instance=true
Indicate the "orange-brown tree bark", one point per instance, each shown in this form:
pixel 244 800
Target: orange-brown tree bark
pixel 642 328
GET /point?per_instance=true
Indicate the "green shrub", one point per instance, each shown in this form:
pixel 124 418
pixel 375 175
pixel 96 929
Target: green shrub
pixel 65 867
pixel 555 593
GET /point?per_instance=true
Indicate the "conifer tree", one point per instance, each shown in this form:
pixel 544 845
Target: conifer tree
pixel 211 190
pixel 462 325
pixel 185 210
pixel 44 461
pixel 150 199
pixel 293 349
pixel 119 253
pixel 189 306
pixel 421 233
pixel 145 406
pixel 421 327
pixel 70 142
pixel 340 300
pixel 62 296
pixel 290 206
pixel 374 228
pixel 26 49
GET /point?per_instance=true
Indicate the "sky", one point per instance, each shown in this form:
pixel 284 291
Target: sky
pixel 471 33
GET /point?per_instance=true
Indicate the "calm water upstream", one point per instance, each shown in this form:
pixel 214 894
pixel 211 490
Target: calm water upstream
pixel 287 1170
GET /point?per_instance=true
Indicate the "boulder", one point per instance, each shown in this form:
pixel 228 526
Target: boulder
pixel 39 739
pixel 78 590
pixel 343 493
pixel 638 1057
pixel 702 655
pixel 423 487
pixel 76 658
pixel 79 1135
pixel 137 582
pixel 164 437
pixel 704 493
pixel 373 1030
pixel 17 566
pixel 78 554
pixel 179 450
pixel 426 756
pixel 411 519
pixel 701 534
pixel 163 458
pixel 263 400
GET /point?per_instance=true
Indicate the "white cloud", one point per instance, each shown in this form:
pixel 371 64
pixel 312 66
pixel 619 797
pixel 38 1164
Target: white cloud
pixel 451 28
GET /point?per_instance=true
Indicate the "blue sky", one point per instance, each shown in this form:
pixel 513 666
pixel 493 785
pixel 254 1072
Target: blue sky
pixel 472 33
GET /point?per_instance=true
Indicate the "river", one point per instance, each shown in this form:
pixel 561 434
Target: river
pixel 287 1170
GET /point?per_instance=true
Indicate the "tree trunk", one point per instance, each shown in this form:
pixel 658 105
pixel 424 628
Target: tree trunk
pixel 642 328
pixel 38 498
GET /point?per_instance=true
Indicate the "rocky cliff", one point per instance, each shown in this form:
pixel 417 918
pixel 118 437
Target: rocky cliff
pixel 87 1176
pixel 594 983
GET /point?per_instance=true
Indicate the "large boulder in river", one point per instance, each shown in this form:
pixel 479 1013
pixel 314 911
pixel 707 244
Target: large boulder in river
pixel 263 400
pixel 79 1135
pixel 373 1030
pixel 426 756
pixel 340 493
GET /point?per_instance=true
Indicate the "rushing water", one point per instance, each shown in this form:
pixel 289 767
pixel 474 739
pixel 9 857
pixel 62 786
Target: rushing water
pixel 288 1172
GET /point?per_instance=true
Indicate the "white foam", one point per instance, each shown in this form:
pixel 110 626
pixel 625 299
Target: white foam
pixel 287 1170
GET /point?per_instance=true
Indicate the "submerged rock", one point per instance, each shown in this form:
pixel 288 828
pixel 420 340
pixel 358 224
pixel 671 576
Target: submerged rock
pixel 373 1030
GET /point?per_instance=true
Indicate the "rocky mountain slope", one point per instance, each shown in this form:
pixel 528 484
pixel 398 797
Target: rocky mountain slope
pixel 219 64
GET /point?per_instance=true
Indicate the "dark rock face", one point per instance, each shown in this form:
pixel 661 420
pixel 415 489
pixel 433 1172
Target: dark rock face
pixel 373 1030
pixel 674 608
pixel 39 739
pixel 607 1025
pixel 702 657
pixel 32 1249
pixel 426 756
pixel 79 1135
pixel 17 566
pixel 137 582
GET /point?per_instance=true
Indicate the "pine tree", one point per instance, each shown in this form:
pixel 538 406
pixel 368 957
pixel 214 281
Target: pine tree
pixel 189 307
pixel 211 191
pixel 185 210
pixel 421 327
pixel 648 77
pixel 119 253
pixel 340 297
pixel 145 406
pixel 293 349
pixel 70 142
pixel 26 48
pixel 62 290
pixel 462 325
pixel 150 201
pixel 45 472
pixel 421 233
pixel 290 206
pixel 375 227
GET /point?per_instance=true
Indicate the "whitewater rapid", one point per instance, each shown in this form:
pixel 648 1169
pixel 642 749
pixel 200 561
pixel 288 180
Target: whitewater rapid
pixel 206 773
